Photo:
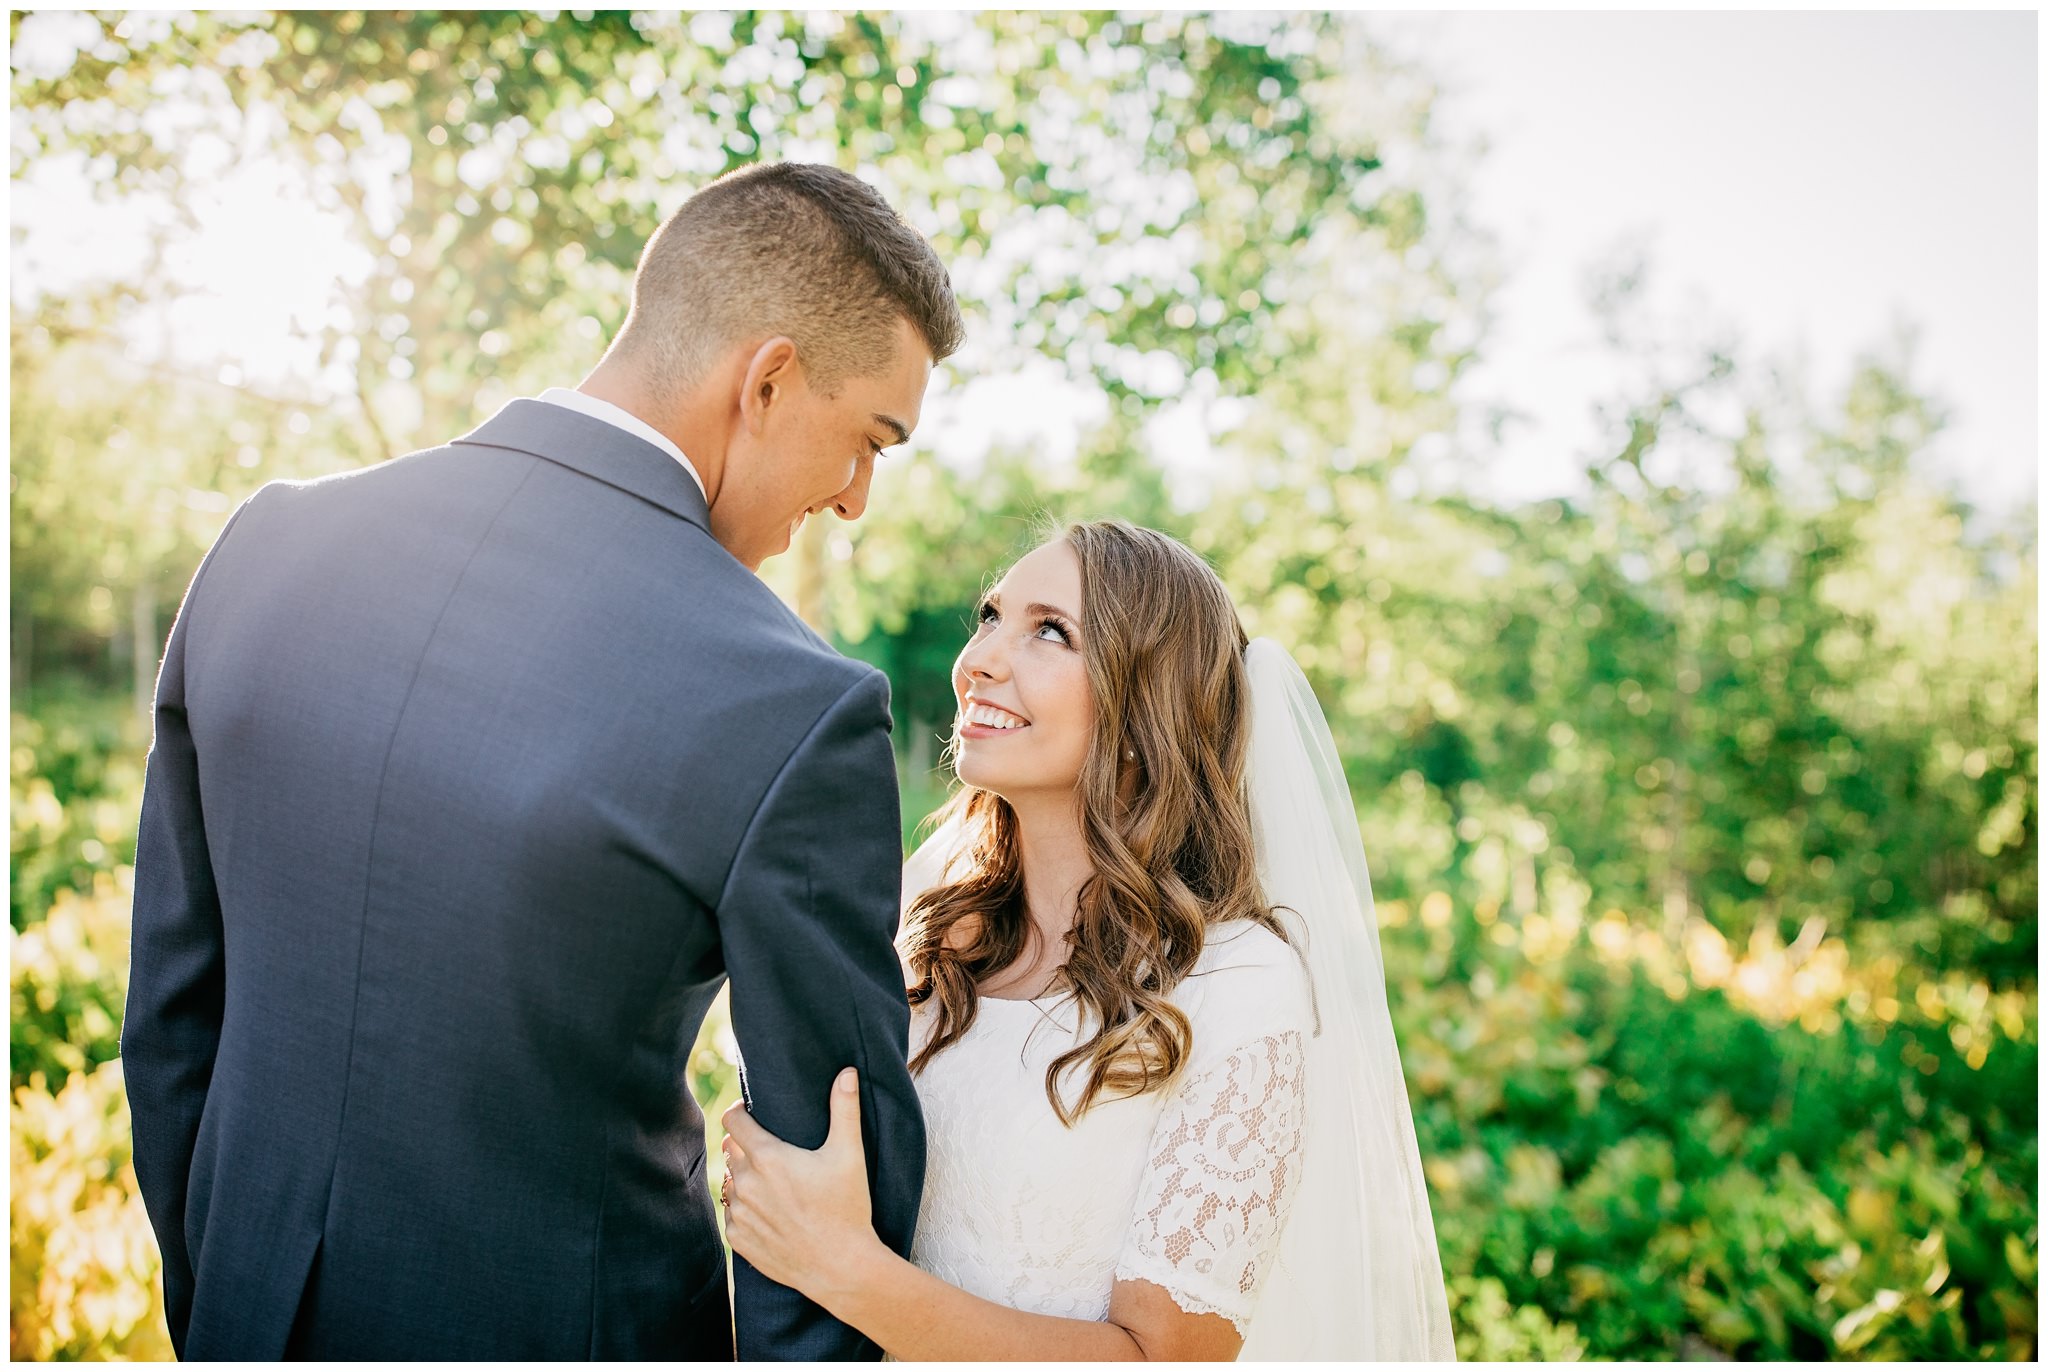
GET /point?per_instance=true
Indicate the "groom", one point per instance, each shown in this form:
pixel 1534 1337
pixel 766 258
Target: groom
pixel 476 774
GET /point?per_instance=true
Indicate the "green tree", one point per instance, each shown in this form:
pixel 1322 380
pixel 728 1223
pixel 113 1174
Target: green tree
pixel 1145 201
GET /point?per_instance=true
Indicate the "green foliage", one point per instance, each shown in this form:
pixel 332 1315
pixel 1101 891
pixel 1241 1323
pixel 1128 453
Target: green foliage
pixel 82 1260
pixel 69 984
pixel 1492 1329
pixel 121 477
pixel 82 1264
pixel 74 783
pixel 1662 1172
pixel 75 787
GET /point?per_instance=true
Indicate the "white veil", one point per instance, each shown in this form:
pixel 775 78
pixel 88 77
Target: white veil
pixel 1357 1275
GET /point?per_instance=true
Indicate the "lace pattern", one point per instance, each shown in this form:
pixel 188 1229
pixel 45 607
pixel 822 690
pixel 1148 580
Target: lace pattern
pixel 1224 1162
pixel 1024 1211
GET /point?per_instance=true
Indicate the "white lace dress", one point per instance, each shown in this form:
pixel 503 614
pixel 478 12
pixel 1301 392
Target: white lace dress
pixel 1187 1189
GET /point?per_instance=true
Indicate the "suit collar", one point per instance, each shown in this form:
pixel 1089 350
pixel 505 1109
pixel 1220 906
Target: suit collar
pixel 601 451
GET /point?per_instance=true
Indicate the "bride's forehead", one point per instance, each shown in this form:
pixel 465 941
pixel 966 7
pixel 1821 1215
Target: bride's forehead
pixel 1051 566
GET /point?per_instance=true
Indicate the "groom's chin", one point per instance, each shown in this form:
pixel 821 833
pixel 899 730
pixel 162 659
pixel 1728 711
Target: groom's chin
pixel 771 545
pixel 752 553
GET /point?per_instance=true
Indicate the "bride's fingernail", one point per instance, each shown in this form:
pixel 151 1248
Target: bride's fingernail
pixel 846 1079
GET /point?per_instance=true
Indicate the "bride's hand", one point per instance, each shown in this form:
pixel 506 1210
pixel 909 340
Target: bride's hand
pixel 800 1216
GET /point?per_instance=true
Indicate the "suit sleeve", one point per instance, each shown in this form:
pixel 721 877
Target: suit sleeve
pixel 807 920
pixel 171 1027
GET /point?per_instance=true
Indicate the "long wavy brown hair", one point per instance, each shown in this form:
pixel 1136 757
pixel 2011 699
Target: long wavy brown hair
pixel 1164 816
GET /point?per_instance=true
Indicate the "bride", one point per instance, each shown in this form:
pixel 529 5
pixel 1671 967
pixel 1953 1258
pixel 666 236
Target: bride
pixel 1165 1113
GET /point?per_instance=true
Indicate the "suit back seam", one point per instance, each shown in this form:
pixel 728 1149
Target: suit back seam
pixel 376 814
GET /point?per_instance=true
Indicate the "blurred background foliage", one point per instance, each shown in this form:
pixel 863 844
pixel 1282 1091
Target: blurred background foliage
pixel 1703 804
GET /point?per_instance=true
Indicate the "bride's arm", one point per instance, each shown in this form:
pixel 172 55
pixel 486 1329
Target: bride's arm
pixel 919 1318
pixel 801 1217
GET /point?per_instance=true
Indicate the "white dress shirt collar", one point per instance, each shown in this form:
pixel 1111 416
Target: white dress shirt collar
pixel 621 419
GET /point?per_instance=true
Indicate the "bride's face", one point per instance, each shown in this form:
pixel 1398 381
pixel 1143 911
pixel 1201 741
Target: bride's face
pixel 1025 710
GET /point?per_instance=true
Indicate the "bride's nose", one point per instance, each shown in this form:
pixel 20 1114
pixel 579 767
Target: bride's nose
pixel 983 660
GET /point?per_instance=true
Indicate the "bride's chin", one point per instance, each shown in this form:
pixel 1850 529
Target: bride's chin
pixel 980 778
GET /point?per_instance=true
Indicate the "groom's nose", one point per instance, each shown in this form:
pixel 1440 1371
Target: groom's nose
pixel 852 502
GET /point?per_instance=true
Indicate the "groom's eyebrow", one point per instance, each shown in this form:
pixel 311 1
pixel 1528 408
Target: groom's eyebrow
pixel 895 426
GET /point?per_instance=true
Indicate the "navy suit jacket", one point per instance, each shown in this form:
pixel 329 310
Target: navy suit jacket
pixel 475 775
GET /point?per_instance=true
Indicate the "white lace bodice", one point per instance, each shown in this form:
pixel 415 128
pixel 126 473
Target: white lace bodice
pixel 1187 1188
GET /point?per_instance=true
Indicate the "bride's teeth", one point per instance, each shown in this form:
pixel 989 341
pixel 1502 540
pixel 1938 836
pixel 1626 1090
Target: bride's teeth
pixel 993 718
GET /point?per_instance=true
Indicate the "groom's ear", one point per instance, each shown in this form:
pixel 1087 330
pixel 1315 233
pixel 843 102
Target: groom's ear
pixel 769 373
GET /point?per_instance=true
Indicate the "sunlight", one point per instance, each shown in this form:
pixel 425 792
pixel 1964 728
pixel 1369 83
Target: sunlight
pixel 261 274
pixel 244 294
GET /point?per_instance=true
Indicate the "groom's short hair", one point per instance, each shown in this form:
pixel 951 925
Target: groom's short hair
pixel 791 248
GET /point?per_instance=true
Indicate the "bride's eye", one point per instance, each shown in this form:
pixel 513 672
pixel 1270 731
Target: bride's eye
pixel 1059 631
pixel 987 613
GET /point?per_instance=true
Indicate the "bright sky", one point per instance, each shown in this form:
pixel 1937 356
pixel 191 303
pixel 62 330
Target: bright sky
pixel 1812 180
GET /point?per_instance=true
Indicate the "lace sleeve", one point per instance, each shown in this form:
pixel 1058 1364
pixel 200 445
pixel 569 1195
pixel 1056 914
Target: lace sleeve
pixel 1224 1163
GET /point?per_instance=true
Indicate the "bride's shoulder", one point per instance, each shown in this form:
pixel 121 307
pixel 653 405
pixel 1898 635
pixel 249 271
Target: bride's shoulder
pixel 1247 972
pixel 1243 943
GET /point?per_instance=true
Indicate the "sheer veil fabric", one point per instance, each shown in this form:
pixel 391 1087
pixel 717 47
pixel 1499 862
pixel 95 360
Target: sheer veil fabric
pixel 1357 1274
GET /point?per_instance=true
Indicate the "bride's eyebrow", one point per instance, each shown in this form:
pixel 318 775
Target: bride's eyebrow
pixel 992 600
pixel 1039 607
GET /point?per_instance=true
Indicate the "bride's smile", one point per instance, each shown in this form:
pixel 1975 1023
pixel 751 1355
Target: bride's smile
pixel 982 720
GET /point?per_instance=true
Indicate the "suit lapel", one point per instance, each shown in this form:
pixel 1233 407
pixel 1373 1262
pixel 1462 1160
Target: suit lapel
pixel 598 450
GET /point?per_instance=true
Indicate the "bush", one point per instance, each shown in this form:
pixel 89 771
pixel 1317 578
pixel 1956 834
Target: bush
pixel 1660 1168
pixel 74 790
pixel 70 982
pixel 1490 1328
pixel 82 1259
